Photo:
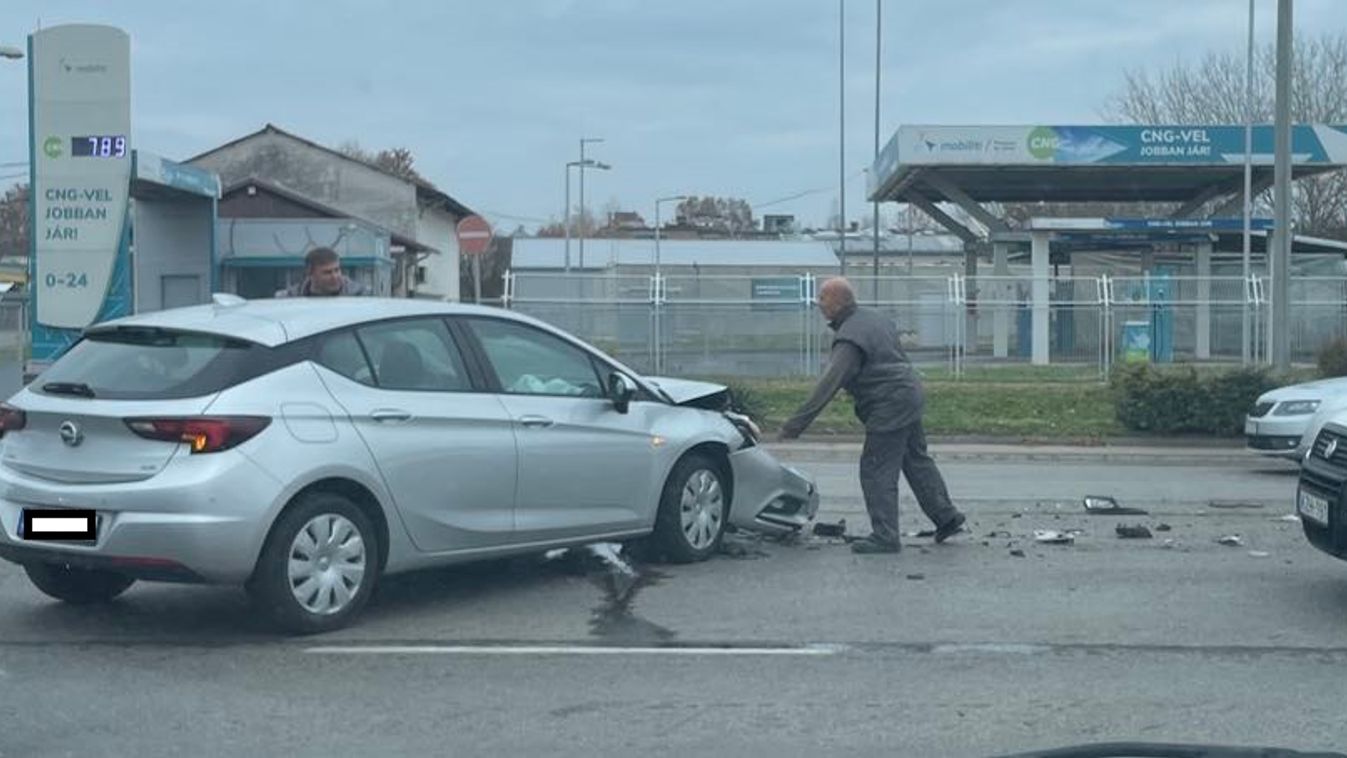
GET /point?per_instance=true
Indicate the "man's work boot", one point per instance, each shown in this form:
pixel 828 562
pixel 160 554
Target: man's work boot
pixel 872 546
pixel 949 528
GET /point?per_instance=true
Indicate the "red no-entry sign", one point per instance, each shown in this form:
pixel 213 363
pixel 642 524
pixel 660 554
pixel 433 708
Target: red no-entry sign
pixel 474 235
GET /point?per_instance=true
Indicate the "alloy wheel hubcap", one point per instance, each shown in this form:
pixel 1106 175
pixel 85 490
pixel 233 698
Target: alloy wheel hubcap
pixel 702 509
pixel 326 564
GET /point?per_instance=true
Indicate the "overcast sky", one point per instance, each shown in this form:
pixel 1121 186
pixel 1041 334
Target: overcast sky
pixel 725 97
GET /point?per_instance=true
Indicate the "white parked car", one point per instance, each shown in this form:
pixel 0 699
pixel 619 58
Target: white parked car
pixel 1279 422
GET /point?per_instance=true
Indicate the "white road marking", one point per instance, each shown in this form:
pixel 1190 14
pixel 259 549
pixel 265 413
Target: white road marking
pixel 806 650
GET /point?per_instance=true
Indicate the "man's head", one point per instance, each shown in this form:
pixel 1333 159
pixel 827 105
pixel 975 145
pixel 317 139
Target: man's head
pixel 324 271
pixel 835 296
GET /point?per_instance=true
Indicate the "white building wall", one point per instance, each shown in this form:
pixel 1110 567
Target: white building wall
pixel 436 227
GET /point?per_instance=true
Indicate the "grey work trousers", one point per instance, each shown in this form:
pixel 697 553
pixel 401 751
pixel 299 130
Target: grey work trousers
pixel 885 456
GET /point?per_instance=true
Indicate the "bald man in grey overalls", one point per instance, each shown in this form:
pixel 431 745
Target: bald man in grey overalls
pixel 868 362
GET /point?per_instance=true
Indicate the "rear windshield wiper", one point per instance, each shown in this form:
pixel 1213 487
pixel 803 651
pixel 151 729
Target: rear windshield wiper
pixel 78 389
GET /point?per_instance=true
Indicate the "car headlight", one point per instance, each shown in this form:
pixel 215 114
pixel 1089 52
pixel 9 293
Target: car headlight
pixel 1297 408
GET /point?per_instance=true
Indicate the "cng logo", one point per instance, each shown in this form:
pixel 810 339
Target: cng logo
pixel 1043 142
pixel 52 147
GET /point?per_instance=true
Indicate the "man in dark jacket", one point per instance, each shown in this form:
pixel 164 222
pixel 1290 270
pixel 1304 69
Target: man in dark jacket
pixel 323 277
pixel 868 362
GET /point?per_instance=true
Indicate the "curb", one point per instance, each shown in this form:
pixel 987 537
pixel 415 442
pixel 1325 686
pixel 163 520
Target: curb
pixel 849 452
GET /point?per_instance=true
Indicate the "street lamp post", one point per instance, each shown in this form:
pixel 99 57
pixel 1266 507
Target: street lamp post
pixel 658 202
pixel 583 141
pixel 566 214
pixel 659 353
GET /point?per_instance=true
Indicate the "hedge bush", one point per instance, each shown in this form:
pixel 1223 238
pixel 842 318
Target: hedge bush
pixel 1180 400
pixel 746 400
pixel 1333 358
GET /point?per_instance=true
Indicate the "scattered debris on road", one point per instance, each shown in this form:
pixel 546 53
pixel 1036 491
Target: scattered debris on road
pixel 1289 518
pixel 1231 540
pixel 742 547
pixel 1052 537
pixel 999 534
pixel 1102 505
pixel 830 530
pixel 1234 504
pixel 1259 554
pixel 916 577
pixel 1133 532
pixel 1017 553
pixel 1163 528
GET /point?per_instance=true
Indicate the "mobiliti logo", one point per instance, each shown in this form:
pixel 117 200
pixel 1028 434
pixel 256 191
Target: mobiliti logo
pixel 1043 142
pixel 52 147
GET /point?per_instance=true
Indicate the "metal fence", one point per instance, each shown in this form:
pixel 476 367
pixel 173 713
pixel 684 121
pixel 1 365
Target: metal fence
pixel 13 342
pixel 764 326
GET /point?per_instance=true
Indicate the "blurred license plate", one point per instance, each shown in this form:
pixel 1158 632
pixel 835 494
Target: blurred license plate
pixel 1312 507
pixel 1250 427
pixel 58 524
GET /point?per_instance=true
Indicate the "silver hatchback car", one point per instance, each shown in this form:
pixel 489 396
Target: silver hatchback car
pixel 304 448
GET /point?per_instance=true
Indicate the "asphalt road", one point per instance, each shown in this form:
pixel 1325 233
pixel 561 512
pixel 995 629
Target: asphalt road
pixel 771 649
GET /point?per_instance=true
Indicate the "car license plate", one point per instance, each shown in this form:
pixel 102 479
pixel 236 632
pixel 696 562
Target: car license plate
pixel 1312 507
pixel 75 524
pixel 1250 427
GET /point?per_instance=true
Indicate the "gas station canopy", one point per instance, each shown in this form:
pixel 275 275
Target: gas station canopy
pixel 1185 164
pixel 1198 168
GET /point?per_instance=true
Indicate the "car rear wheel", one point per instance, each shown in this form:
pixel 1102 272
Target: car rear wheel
pixel 693 510
pixel 319 565
pixel 78 586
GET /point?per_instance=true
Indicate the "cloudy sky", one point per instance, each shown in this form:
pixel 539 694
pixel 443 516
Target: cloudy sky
pixel 725 97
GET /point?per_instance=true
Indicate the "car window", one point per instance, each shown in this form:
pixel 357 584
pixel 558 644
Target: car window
pixel 133 363
pixel 529 361
pixel 419 354
pixel 341 352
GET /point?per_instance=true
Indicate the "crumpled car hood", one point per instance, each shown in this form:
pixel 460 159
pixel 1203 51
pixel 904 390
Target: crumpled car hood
pixel 692 393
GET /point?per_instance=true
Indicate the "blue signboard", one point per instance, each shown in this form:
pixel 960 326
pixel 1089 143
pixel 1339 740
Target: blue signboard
pixel 1142 145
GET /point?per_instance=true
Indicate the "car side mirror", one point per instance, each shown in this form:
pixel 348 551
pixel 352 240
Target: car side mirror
pixel 621 389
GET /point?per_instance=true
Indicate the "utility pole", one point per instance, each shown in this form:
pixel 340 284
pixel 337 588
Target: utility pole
pixel 1281 260
pixel 1245 348
pixel 842 136
pixel 878 36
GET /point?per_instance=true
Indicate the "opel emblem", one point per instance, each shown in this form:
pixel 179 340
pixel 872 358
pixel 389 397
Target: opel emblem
pixel 71 434
pixel 1331 448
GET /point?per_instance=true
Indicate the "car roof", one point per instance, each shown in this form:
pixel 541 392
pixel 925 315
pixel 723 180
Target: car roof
pixel 278 321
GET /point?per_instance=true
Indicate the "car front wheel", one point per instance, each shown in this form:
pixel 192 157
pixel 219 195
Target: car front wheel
pixel 693 510
pixel 319 565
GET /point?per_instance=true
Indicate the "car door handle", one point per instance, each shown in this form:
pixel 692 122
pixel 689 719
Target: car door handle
pixel 535 422
pixel 390 415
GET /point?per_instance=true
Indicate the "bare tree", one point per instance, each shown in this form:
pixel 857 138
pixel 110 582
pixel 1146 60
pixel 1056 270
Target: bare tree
pixel 731 215
pixel 397 161
pixel 1212 91
pixel 14 221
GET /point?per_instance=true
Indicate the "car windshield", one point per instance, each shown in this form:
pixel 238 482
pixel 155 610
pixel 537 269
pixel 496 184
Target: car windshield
pixel 147 364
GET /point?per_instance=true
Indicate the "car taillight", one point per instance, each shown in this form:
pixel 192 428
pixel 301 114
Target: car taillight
pixel 11 419
pixel 201 434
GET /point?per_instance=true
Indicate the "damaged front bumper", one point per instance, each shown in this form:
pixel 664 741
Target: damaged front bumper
pixel 770 496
